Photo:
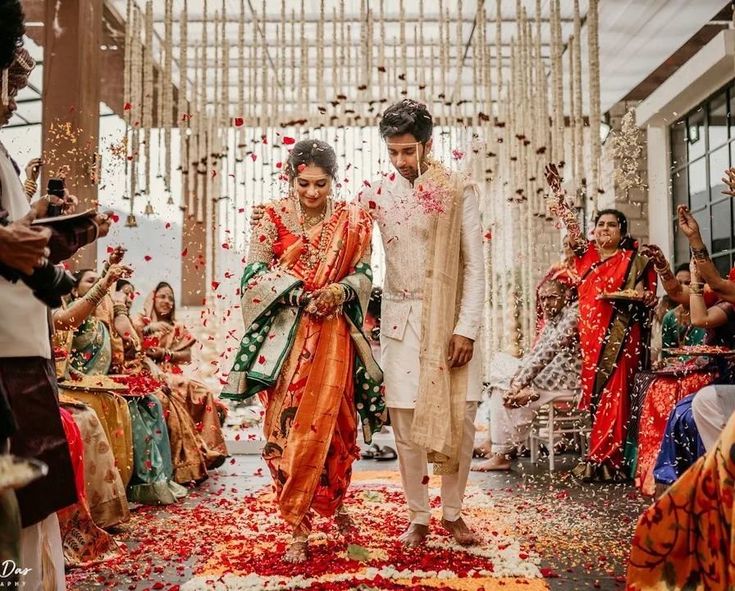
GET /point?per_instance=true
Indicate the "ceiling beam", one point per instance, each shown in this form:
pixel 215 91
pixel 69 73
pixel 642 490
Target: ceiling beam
pixel 356 20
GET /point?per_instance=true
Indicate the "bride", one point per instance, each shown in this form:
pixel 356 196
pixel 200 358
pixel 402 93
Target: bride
pixel 305 291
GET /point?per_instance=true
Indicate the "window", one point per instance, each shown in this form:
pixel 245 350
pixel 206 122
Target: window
pixel 702 147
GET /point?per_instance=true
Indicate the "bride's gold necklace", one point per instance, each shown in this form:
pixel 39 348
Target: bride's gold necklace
pixel 310 256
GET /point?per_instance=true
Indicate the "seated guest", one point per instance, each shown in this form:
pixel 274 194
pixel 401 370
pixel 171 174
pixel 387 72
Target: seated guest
pixel 655 393
pixel 566 267
pixel 168 344
pixel 95 348
pixel 677 329
pixel 551 369
pixel 84 541
pixel 713 405
pixel 695 415
pixel 681 446
pixel 684 540
pixel 665 305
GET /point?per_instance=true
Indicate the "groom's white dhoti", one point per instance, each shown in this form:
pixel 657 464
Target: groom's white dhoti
pixel 404 230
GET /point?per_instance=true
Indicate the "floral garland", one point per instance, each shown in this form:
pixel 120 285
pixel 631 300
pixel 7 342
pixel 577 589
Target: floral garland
pixel 578 136
pixel 627 149
pixel 148 93
pixel 436 190
pixel 594 85
pixel 183 109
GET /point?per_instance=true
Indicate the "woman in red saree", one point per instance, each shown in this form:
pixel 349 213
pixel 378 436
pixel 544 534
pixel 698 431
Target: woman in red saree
pixel 612 333
pixel 304 293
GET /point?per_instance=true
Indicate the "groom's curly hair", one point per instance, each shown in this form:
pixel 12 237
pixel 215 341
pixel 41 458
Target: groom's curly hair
pixel 12 30
pixel 407 116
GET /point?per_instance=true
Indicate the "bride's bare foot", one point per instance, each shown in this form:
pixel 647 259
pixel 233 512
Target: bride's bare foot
pixel 462 534
pixel 496 462
pixel 345 525
pixel 298 551
pixel 415 535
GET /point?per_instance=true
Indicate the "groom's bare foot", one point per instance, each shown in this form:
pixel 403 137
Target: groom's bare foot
pixel 496 462
pixel 462 534
pixel 483 450
pixel 415 535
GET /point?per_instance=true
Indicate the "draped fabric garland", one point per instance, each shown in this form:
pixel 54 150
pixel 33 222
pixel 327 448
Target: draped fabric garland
pixel 219 90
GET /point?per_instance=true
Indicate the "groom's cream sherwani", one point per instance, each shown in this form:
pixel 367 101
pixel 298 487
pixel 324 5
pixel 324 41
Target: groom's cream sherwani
pixel 404 230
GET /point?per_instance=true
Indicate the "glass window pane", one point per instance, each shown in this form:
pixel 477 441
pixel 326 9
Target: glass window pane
pixel 721 226
pixel 717 121
pixel 678 143
pixel 681 246
pixel 695 134
pixel 702 217
pixel 698 185
pixel 723 264
pixel 680 187
pixel 719 161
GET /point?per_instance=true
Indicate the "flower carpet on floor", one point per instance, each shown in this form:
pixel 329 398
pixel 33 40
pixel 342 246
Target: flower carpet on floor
pixel 237 543
pixel 540 532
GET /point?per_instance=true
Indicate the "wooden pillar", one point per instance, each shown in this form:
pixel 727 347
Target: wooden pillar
pixel 71 100
pixel 194 249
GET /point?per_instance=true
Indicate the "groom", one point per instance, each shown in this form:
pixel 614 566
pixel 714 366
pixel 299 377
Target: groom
pixel 429 222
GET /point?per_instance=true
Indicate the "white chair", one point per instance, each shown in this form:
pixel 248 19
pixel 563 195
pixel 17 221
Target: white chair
pixel 557 418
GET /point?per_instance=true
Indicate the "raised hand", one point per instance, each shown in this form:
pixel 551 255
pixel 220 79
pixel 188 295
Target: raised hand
pixel 694 271
pixel 116 272
pixel 729 180
pixel 687 224
pixel 654 253
pixel 104 221
pixel 553 179
pixel 33 169
pixel 117 254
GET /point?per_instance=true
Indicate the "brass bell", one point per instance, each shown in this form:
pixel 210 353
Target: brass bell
pixel 149 209
pixel 131 222
pixel 170 200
